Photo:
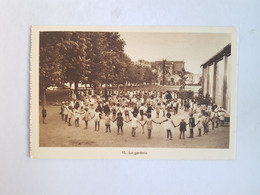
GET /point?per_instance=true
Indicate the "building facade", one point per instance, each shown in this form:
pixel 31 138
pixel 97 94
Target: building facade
pixel 193 79
pixel 172 68
pixel 216 77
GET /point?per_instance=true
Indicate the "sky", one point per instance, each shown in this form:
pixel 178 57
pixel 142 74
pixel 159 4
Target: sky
pixel 193 48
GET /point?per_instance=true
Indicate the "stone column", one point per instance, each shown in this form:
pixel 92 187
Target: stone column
pixel 228 84
pixel 204 81
pixel 211 81
pixel 215 81
pixel 225 82
pixel 202 84
pixel 207 79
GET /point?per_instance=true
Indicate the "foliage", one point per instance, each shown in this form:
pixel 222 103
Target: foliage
pixel 165 70
pixel 50 68
pixel 82 57
pixel 203 100
pixel 49 62
pixel 200 80
pixel 75 59
pixel 94 58
pixel 134 74
pixel 148 76
pixel 185 94
pixel 183 77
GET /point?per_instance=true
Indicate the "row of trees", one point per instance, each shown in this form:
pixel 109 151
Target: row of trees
pixel 94 58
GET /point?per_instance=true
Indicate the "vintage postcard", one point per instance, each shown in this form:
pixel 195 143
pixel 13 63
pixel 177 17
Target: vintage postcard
pixel 104 92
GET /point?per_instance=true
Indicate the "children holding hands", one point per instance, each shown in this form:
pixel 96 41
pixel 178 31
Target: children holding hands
pixel 86 117
pixel 136 107
pixel 191 124
pixel 120 122
pixel 168 125
pixel 149 124
pixel 97 116
pixel 182 125
pixel 134 124
pixel 107 122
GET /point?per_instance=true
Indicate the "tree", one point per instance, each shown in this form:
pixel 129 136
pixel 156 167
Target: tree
pixel 107 60
pixel 75 59
pixel 164 70
pixel 163 67
pixel 50 71
pixel 134 74
pixel 200 80
pixel 93 58
pixel 154 76
pixel 203 100
pixel 122 76
pixel 149 76
pixel 183 78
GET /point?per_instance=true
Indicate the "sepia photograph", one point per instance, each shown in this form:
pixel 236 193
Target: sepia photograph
pixel 133 91
pixel 130 97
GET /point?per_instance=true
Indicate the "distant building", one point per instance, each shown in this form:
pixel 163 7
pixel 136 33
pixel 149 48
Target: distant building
pixel 172 68
pixel 216 77
pixel 193 79
pixel 172 77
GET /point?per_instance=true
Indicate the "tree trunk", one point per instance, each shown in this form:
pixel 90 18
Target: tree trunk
pixel 106 96
pixel 124 86
pixel 163 73
pixel 76 87
pixel 43 96
pixel 94 86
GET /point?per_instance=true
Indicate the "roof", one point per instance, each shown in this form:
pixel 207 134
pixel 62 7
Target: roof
pixel 226 51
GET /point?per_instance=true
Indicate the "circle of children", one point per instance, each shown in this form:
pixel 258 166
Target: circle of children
pixel 137 107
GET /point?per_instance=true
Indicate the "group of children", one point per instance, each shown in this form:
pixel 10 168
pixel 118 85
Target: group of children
pixel 119 109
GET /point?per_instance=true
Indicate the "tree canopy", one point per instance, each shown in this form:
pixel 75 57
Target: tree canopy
pixel 94 58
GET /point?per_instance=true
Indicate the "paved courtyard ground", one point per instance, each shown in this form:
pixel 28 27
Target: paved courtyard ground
pixel 56 133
